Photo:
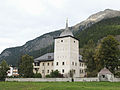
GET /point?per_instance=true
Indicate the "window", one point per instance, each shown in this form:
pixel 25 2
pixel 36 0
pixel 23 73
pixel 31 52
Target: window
pixel 37 64
pixel 103 76
pixel 57 63
pixel 47 71
pixel 75 64
pixel 42 71
pixel 80 64
pixel 43 64
pixel 49 57
pixel 80 71
pixel 72 63
pixel 36 69
pixel 74 41
pixel 52 63
pixel 63 63
pixel 48 64
pixel 62 70
pixel 74 71
pixel 61 40
pixel 51 70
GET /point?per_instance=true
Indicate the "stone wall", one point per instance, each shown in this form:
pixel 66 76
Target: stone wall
pixel 57 79
pixel 116 79
pixel 39 79
pixel 85 79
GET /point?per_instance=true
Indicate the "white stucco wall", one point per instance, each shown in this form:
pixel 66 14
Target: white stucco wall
pixel 66 50
pixel 43 69
pixel 10 71
pixel 82 68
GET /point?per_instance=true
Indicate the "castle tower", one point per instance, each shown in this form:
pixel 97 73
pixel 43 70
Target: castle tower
pixel 66 53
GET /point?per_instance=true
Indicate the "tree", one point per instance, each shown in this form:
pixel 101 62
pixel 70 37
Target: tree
pixel 3 70
pixel 26 66
pixel 88 57
pixel 107 54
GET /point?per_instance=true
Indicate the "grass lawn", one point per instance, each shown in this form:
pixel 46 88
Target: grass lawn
pixel 59 85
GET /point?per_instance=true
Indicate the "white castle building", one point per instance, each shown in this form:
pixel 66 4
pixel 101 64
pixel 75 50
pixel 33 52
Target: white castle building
pixel 65 57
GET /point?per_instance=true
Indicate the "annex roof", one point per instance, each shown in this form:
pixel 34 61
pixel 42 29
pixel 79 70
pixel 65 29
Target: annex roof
pixel 50 57
pixel 45 57
pixel 105 71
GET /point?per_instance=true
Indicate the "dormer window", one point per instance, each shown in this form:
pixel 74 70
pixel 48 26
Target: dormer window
pixel 49 57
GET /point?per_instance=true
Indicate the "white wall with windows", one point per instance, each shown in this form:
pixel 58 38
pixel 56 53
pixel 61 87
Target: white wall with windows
pixel 44 68
pixel 66 55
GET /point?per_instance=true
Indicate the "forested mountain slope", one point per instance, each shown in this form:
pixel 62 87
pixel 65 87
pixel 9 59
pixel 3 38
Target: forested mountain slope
pixel 110 26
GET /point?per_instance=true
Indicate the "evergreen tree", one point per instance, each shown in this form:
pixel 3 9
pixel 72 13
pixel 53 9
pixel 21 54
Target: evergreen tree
pixel 107 54
pixel 26 66
pixel 3 70
pixel 88 57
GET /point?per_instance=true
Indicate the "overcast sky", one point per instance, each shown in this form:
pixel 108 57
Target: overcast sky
pixel 24 20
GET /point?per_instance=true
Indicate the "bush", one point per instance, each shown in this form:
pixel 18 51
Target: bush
pixel 56 74
pixel 48 76
pixel 37 75
pixel 117 75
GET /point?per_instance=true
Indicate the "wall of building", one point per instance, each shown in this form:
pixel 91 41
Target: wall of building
pixel 82 68
pixel 66 51
pixel 44 68
pixel 61 54
pixel 13 71
pixel 10 71
pixel 74 56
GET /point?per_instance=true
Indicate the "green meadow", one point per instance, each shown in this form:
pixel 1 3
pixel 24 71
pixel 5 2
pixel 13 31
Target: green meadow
pixel 59 85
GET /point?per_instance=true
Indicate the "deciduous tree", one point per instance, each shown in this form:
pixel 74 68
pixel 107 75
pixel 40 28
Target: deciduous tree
pixel 3 70
pixel 107 54
pixel 26 66
pixel 88 57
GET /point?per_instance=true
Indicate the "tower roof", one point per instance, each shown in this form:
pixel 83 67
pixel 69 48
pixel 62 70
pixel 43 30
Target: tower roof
pixel 67 31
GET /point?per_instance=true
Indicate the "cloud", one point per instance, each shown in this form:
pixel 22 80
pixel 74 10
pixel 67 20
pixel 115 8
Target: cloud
pixel 6 43
pixel 57 3
pixel 23 20
pixel 7 40
pixel 33 7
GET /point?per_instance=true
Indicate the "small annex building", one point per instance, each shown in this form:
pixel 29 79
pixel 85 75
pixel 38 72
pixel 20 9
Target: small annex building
pixel 105 75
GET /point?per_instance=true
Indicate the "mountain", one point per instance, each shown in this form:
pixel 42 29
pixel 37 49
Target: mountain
pixel 88 29
pixel 99 30
pixel 107 13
